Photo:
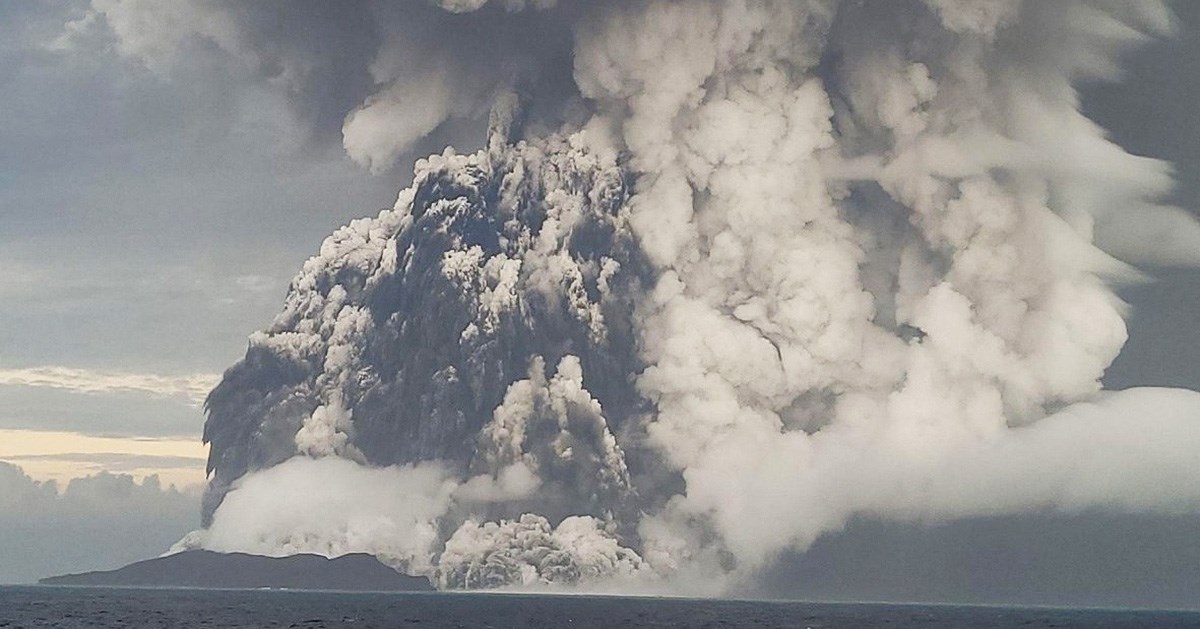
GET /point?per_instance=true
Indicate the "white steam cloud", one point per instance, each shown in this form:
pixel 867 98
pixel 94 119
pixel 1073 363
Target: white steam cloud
pixel 775 264
pixel 333 507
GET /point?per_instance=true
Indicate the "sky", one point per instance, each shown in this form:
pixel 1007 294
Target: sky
pixel 147 226
pixel 150 222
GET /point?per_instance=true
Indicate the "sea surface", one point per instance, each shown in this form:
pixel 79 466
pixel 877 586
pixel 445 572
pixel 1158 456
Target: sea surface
pixel 185 609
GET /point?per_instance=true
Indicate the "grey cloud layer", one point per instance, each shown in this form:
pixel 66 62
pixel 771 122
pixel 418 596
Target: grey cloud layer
pixel 101 415
pixel 193 388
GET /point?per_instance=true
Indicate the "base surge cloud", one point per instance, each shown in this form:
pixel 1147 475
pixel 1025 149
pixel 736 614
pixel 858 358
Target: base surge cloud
pixel 725 275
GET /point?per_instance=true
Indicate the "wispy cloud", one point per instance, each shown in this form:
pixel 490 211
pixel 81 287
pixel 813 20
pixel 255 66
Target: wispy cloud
pixel 115 462
pixel 193 387
pixel 62 456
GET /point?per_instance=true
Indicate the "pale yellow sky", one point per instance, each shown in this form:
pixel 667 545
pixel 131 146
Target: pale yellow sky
pixel 61 456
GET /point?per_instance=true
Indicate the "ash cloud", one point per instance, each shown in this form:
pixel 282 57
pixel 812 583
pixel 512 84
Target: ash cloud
pixel 725 276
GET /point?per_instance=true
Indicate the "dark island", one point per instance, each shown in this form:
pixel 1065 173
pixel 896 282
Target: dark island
pixel 206 569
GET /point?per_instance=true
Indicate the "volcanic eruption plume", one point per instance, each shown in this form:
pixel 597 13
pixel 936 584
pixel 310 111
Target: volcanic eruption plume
pixel 724 275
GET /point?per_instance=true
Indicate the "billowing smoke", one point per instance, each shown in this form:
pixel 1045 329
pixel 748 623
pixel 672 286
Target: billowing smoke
pixel 756 268
pixel 332 506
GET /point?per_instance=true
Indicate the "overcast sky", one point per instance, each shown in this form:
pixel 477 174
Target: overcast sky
pixel 149 224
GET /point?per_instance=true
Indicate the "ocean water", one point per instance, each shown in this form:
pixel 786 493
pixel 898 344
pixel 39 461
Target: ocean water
pixel 186 609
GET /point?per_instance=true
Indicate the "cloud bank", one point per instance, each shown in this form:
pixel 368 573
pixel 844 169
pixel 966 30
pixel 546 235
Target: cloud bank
pixel 725 276
pixel 98 522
